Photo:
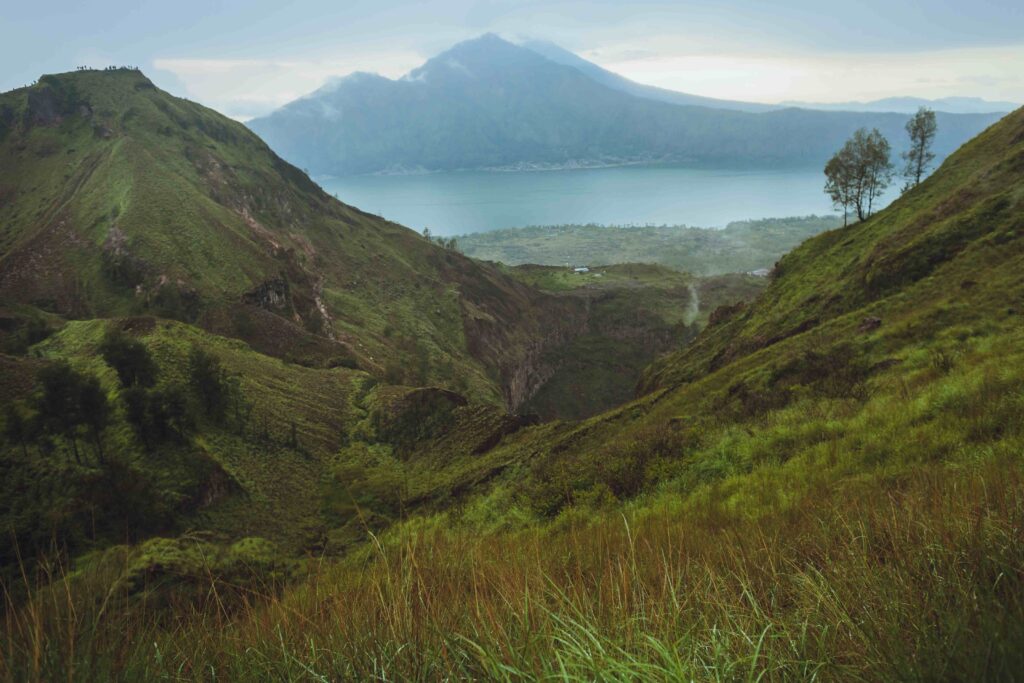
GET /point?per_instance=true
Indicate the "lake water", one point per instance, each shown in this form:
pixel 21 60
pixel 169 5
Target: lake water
pixel 470 201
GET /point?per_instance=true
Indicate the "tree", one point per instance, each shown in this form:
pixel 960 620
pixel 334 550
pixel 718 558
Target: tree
pixel 921 128
pixel 16 428
pixel 839 180
pixel 876 169
pixel 136 411
pixel 210 381
pixel 58 404
pixel 859 173
pixel 157 415
pixel 70 400
pixel 94 410
pixel 130 359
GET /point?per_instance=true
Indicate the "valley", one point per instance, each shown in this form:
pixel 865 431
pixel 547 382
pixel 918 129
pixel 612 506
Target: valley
pixel 253 432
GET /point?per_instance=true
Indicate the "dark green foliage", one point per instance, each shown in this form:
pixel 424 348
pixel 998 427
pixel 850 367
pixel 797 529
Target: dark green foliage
pixel 95 410
pixel 837 372
pixel 16 428
pixel 130 358
pixel 210 382
pixel 617 470
pixel 368 479
pixel 28 332
pixel 124 269
pixel 419 416
pixel 58 405
pixel 157 415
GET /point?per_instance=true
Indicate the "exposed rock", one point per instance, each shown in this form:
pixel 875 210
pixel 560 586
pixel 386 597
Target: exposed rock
pixel 273 295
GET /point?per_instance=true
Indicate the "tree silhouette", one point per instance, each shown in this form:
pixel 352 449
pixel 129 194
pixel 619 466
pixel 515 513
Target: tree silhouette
pixel 921 128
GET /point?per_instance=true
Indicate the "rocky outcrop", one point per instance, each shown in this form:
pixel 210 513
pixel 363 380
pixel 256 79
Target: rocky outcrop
pixel 272 295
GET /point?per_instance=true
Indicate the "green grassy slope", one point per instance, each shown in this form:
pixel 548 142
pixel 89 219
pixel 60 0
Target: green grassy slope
pixel 284 463
pixel 116 198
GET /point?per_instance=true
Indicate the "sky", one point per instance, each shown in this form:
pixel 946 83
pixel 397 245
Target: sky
pixel 247 57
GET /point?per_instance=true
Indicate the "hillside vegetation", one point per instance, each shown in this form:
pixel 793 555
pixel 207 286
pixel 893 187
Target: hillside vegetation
pixel 825 484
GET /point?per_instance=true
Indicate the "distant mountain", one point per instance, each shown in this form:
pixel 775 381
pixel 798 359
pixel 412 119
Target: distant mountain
pixel 614 81
pixel 909 105
pixel 489 104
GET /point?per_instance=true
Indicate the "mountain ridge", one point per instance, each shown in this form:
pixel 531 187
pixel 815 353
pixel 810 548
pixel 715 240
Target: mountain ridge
pixel 908 105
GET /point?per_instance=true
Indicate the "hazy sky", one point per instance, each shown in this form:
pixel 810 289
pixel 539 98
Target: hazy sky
pixel 245 57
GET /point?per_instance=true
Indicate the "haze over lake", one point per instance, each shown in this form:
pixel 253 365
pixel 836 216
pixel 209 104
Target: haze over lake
pixel 476 201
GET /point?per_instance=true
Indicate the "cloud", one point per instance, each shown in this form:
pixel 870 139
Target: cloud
pixel 621 55
pixel 991 72
pixel 246 88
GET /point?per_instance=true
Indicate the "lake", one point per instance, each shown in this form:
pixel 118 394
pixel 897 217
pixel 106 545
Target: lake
pixel 478 201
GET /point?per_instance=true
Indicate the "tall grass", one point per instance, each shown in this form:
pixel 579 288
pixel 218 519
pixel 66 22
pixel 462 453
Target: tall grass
pixel 858 539
pixel 917 577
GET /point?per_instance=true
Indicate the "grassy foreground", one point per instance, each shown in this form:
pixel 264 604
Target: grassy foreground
pixel 871 539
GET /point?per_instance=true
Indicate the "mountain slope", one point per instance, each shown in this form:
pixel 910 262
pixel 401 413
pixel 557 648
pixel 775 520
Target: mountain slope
pixel 117 199
pixel 486 103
